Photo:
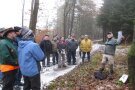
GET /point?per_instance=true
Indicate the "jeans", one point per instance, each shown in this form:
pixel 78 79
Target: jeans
pixel 72 54
pixel 88 56
pixel 55 58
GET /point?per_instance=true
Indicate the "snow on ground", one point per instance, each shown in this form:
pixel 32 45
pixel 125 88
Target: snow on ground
pixel 52 73
pixel 49 74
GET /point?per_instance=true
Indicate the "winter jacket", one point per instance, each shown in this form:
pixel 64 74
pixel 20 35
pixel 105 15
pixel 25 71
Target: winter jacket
pixel 72 45
pixel 110 46
pixel 62 45
pixel 29 54
pixel 8 55
pixel 46 46
pixel 54 46
pixel 86 45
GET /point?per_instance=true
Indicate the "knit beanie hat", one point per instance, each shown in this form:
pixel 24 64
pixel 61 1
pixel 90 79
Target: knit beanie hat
pixel 27 33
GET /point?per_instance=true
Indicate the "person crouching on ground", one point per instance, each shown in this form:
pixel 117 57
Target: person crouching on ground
pixel 109 53
pixel 30 55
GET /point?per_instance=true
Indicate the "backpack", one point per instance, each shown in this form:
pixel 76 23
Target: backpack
pixel 100 75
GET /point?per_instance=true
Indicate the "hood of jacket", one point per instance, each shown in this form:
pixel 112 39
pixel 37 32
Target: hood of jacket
pixel 22 44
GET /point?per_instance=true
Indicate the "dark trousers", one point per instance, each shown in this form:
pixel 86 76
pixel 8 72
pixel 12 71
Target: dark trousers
pixel 9 79
pixel 32 83
pixel 48 60
pixel 88 56
pixel 80 53
pixel 18 77
pixel 72 55
pixel 55 58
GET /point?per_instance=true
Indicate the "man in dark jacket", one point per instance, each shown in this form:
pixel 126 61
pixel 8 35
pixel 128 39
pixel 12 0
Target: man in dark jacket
pixel 72 45
pixel 46 47
pixel 8 59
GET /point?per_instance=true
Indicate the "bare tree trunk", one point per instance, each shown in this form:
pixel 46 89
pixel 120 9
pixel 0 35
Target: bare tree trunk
pixel 23 12
pixel 34 13
pixel 64 22
pixel 134 34
pixel 72 17
pixel 104 33
pixel 65 17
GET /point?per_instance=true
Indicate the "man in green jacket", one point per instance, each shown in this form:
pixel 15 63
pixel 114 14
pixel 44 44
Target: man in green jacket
pixel 109 52
pixel 8 59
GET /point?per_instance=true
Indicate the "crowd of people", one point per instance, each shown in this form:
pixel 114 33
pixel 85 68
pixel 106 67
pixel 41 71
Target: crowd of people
pixel 63 50
pixel 20 55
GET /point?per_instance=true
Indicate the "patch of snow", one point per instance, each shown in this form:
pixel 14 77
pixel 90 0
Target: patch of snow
pixel 48 74
pixel 51 73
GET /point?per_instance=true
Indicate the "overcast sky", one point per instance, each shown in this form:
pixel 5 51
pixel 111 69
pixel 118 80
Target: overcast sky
pixel 10 11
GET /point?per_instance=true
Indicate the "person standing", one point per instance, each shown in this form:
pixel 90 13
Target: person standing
pixel 109 53
pixel 1 37
pixel 16 41
pixel 86 46
pixel 46 47
pixel 80 52
pixel 29 56
pixel 9 59
pixel 71 49
pixel 62 46
pixel 55 50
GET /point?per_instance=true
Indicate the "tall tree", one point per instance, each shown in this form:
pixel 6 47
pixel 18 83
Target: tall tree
pixel 118 15
pixel 34 13
pixel 134 31
pixel 77 17
pixel 72 16
pixel 23 5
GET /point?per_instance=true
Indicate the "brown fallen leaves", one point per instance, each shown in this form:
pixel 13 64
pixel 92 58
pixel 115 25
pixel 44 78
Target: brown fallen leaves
pixel 81 78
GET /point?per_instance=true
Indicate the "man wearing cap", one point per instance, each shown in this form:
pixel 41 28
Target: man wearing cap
pixel 29 56
pixel 16 41
pixel 8 61
pixel 86 46
pixel 109 52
